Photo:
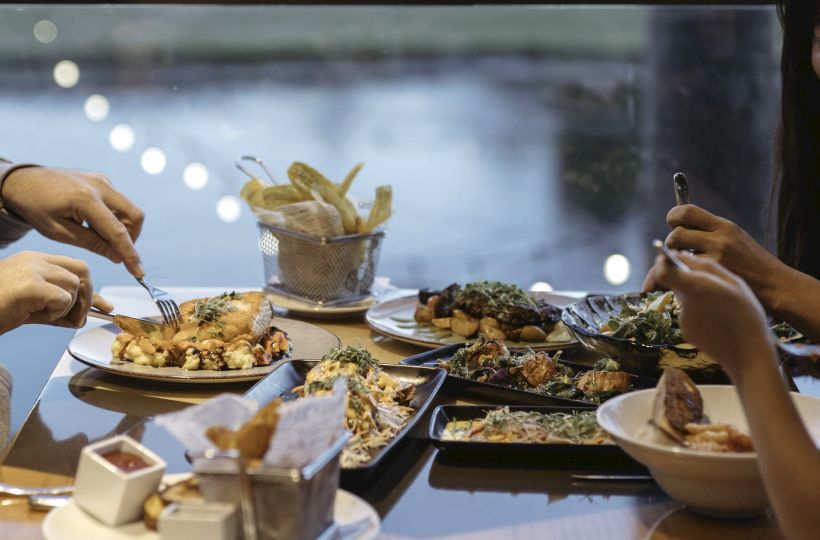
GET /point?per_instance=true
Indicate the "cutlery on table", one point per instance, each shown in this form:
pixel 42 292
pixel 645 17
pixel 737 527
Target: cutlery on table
pixel 7 490
pixel 167 305
pixel 613 477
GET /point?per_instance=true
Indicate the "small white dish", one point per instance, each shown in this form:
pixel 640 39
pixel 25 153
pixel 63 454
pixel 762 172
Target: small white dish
pixel 70 522
pixel 112 494
pixel 713 483
pixel 198 521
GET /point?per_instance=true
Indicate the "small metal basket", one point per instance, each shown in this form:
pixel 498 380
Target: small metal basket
pixel 324 271
pixel 282 503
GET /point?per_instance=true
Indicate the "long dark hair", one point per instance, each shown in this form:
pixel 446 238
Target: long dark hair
pixel 796 190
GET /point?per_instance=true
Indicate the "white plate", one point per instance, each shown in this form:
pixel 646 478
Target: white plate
pixel 93 347
pixel 391 319
pixel 306 309
pixel 70 522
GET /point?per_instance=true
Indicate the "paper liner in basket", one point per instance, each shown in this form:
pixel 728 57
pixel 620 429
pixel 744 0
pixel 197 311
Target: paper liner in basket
pixel 306 427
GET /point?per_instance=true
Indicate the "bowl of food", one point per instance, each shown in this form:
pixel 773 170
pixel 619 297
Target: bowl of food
pixel 694 441
pixel 640 331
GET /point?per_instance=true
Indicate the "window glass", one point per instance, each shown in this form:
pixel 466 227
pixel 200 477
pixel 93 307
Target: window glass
pixel 524 144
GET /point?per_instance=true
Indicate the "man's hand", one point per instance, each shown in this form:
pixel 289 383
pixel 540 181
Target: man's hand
pixel 77 208
pixel 46 289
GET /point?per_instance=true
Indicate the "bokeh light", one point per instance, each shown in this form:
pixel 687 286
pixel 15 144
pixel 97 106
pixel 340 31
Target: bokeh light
pixel 195 176
pixel 121 137
pixel 616 269
pixel 540 286
pixel 96 108
pixel 228 208
pixel 153 161
pixel 45 31
pixel 66 74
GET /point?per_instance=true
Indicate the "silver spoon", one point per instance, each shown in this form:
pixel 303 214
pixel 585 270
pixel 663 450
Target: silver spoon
pixel 7 490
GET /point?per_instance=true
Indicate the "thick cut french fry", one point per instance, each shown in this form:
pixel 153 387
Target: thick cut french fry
pixel 381 210
pixel 344 187
pixel 251 186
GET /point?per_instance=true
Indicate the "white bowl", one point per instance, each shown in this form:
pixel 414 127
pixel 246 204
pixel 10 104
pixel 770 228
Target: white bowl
pixel 714 483
pixel 108 493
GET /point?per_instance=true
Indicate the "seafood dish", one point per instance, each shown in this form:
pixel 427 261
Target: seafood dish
pixel 503 425
pixel 229 331
pixel 489 360
pixel 378 405
pixel 497 310
pixel 677 410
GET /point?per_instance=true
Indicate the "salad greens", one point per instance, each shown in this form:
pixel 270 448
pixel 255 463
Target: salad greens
pixel 654 322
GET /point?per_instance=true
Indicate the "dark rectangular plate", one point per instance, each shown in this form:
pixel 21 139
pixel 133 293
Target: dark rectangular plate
pixel 505 394
pixel 292 373
pixel 550 455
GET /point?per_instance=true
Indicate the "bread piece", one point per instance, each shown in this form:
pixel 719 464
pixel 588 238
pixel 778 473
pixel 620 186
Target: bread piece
pixel 677 403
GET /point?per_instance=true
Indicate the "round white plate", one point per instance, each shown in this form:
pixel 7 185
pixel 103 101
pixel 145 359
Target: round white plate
pixel 394 318
pixel 306 309
pixel 70 522
pixel 93 347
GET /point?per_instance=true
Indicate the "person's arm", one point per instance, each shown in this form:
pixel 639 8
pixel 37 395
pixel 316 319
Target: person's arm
pixel 11 227
pixel 721 316
pixel 785 292
pixel 78 208
pixel 788 459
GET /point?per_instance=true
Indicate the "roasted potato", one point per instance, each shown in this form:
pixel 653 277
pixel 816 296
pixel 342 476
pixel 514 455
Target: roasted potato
pixel 532 333
pixel 464 327
pixel 443 322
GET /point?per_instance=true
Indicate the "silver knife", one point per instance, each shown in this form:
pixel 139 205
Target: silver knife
pixel 135 325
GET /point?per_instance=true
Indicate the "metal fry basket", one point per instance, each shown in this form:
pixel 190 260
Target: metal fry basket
pixel 323 271
pixel 285 504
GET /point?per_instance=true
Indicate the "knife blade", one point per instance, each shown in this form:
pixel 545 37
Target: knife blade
pixel 135 325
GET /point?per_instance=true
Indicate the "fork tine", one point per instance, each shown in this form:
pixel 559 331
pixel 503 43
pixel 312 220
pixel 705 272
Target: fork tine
pixel 173 311
pixel 166 317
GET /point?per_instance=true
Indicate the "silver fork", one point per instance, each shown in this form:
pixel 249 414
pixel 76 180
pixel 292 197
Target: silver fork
pixel 167 306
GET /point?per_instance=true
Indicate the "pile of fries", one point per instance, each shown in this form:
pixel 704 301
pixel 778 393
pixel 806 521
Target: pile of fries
pixel 308 184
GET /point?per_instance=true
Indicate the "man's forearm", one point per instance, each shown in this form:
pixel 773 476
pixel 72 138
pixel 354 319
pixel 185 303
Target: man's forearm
pixel 12 228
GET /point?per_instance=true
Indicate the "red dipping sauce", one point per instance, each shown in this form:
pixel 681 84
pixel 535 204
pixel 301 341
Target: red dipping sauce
pixel 126 461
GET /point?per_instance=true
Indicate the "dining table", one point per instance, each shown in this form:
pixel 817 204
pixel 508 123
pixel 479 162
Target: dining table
pixel 418 491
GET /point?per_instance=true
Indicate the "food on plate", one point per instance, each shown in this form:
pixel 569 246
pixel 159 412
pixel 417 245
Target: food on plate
pixel 653 322
pixel 497 310
pixel 378 405
pixel 489 360
pixel 183 491
pixel 678 411
pixel 309 186
pixel 229 331
pixel 253 437
pixel 503 425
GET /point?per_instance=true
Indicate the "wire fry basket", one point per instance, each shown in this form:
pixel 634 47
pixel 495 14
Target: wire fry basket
pixel 282 503
pixel 324 271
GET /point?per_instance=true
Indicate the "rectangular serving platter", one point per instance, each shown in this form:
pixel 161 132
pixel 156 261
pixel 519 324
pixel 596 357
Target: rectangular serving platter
pixel 504 394
pixel 558 455
pixel 292 373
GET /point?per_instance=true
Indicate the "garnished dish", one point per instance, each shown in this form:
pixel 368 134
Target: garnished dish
pixel 505 426
pixel 489 360
pixel 497 310
pixel 653 322
pixel 229 331
pixel 378 405
pixel 678 411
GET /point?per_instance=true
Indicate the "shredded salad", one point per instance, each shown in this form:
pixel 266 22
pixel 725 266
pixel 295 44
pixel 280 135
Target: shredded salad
pixel 653 322
pixel 377 404
pixel 506 426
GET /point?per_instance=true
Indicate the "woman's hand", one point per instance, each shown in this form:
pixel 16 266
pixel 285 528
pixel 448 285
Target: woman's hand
pixel 719 312
pixel 77 208
pixel 719 239
pixel 47 289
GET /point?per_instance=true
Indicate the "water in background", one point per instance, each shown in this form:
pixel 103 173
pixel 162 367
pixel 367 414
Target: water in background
pixel 523 144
